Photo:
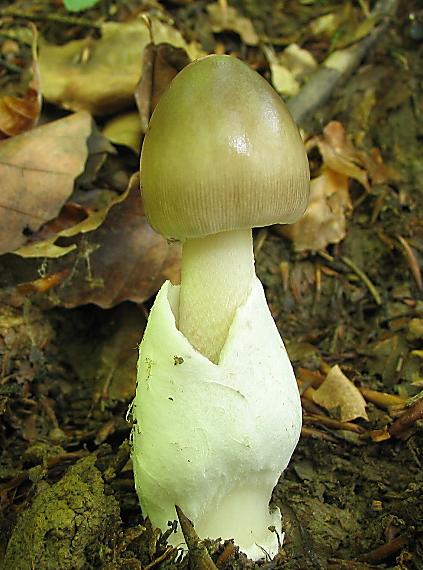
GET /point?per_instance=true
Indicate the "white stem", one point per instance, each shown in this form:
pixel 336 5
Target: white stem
pixel 216 277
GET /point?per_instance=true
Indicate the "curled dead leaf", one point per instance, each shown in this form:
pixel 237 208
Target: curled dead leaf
pixel 299 61
pixel 227 18
pixel 339 154
pixel 20 114
pixel 126 130
pixel 161 63
pixel 337 391
pixel 289 68
pixel 113 256
pixel 283 79
pixel 325 220
pixel 101 75
pixel 37 173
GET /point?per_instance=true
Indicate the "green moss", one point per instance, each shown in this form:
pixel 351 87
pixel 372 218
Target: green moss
pixel 65 524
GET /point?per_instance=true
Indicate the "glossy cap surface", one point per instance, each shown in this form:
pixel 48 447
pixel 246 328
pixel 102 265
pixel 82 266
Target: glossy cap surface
pixel 221 153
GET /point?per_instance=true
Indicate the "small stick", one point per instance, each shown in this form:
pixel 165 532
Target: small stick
pixel 412 262
pixel 373 291
pixel 333 423
pixel 385 551
pixel 339 564
pixel 318 279
pixel 381 399
pixel 326 255
pixel 337 68
pixel 51 462
pixel 317 434
pixel 227 553
pixel 313 378
pixel 170 550
pixel 284 271
pixel 260 240
pixel 120 459
pixel 410 416
pixel 308 404
pixel 58 18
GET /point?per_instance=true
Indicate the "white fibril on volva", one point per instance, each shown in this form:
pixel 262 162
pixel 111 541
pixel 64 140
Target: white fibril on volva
pixel 214 438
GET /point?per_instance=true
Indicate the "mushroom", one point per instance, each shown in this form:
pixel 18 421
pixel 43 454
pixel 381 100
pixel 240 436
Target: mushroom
pixel 217 409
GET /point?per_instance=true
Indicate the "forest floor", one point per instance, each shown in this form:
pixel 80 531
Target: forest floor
pixel 78 277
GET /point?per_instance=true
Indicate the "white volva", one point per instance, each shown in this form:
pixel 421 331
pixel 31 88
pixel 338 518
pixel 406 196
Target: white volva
pixel 214 438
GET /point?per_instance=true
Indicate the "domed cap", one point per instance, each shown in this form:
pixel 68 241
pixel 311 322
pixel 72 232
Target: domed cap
pixel 221 153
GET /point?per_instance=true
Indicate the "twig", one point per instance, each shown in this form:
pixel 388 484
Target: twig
pixel 170 550
pixel 333 423
pixel 50 17
pixel 381 399
pixel 317 434
pixel 385 551
pixel 120 459
pixel 412 262
pixel 337 68
pixel 51 462
pixel 308 404
pixel 411 415
pixel 339 564
pixel 226 554
pixel 373 291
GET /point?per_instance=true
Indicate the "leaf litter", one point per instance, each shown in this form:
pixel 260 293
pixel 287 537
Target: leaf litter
pixel 20 114
pixel 37 172
pixel 346 300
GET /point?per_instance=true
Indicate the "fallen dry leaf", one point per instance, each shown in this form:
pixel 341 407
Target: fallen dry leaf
pixel 339 154
pixel 20 114
pixel 325 220
pixel 282 78
pixel 378 171
pixel 337 391
pixel 228 19
pixel 37 173
pixel 125 129
pixel 299 61
pixel 101 75
pixel 161 63
pixel 121 259
pixel 60 228
pixel 289 68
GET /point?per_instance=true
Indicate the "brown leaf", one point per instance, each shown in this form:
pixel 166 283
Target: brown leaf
pixel 46 246
pixel 337 391
pixel 339 154
pixel 227 18
pixel 324 221
pixel 37 173
pixel 378 171
pixel 161 63
pixel 20 114
pixel 101 75
pixel 123 259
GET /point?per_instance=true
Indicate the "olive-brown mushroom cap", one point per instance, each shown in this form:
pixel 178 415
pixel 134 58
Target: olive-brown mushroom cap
pixel 222 153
